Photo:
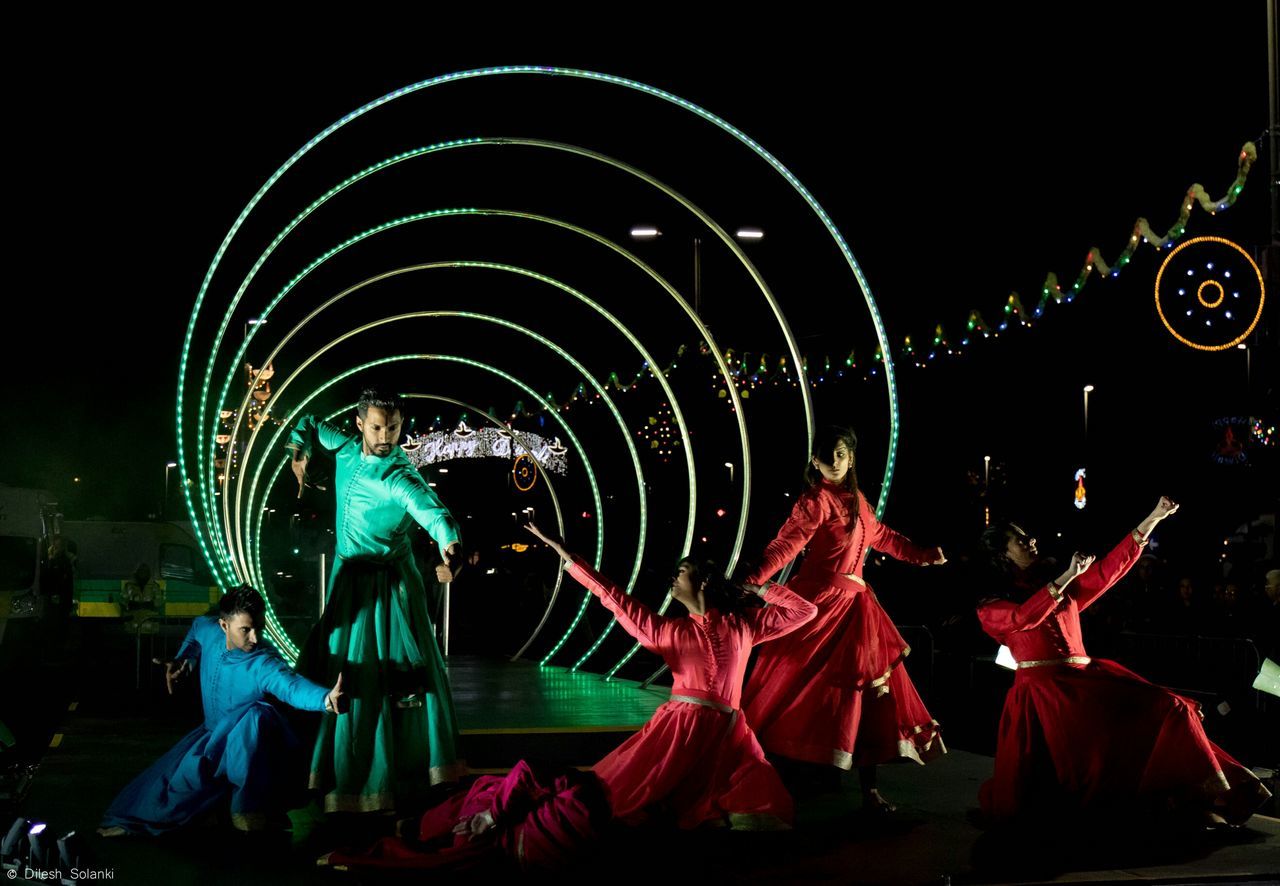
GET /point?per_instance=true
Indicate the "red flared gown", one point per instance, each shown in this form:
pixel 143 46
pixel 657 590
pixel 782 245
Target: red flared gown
pixel 1085 733
pixel 697 758
pixel 835 691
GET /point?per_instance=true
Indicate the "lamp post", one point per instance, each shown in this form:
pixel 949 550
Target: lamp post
pixel 1087 389
pixel 164 510
pixel 986 490
pixel 652 232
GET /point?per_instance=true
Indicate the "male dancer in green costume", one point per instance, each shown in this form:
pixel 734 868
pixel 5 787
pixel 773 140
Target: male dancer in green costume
pixel 401 735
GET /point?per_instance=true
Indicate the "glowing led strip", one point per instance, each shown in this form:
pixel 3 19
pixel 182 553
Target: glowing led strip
pixel 589 75
pixel 246 456
pixel 648 357
pixel 706 334
pixel 601 392
pixel 512 269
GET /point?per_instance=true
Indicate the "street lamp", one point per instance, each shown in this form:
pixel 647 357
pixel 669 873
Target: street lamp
pixel 167 468
pixel 986 490
pixel 651 232
pixel 729 465
pixel 1087 389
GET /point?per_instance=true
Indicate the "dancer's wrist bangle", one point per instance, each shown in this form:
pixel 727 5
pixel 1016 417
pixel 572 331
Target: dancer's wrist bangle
pixel 1054 591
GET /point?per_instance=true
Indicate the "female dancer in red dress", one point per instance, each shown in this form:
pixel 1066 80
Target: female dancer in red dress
pixel 834 692
pixel 696 759
pixel 1085 733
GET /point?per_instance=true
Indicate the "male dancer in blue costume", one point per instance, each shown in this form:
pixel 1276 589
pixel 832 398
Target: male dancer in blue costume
pixel 402 735
pixel 241 750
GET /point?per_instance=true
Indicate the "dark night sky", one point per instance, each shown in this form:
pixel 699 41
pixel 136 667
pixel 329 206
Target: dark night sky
pixel 960 158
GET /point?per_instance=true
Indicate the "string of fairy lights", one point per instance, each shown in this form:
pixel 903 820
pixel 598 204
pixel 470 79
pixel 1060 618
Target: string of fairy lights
pixel 752 372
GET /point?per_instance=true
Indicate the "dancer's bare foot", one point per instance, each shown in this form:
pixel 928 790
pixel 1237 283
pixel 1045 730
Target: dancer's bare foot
pixel 1212 821
pixel 874 803
pixel 112 832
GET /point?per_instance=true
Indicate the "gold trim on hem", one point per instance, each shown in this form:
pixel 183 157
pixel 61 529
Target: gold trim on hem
pixel 932 749
pixel 1216 783
pixel 359 802
pixel 1069 660
pixel 451 772
pixel 879 683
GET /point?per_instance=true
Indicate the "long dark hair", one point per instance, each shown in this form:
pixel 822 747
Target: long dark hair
pixel 825 441
pixel 995 542
pixel 719 593
pixel 1010 581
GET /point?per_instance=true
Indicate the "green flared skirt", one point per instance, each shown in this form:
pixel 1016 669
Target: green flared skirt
pixel 401 734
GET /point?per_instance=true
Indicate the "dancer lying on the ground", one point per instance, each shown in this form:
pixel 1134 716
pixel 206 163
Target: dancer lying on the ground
pixel 696 760
pixel 242 750
pixel 539 817
pixel 1081 733
pixel 836 692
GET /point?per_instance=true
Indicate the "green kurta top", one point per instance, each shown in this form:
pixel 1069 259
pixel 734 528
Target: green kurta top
pixel 377 497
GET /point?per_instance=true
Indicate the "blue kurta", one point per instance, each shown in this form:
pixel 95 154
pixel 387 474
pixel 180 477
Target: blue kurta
pixel 376 632
pixel 241 750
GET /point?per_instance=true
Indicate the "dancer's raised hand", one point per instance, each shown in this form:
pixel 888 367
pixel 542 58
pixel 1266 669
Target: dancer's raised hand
pixel 1079 563
pixel 553 543
pixel 299 465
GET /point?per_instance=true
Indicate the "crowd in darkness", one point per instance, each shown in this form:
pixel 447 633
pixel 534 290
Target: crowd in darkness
pixel 1235 598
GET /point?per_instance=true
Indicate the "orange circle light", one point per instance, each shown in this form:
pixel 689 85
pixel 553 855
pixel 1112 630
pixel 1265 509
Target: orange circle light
pixel 1222 293
pixel 1262 294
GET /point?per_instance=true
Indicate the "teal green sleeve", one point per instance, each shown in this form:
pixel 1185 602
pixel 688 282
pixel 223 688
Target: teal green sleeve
pixel 311 431
pixel 421 503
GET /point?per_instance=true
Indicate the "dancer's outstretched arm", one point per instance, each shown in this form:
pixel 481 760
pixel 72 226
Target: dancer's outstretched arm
pixel 636 619
pixel 1002 617
pixel 1111 568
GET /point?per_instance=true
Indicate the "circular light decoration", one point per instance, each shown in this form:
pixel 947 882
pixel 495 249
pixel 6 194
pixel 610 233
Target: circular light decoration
pixel 524 472
pixel 1209 293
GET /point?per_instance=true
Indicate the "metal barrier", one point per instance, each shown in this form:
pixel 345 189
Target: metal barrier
pixel 1198 665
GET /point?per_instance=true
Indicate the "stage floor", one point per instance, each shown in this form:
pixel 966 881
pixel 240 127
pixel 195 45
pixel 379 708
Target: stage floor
pixel 503 696
pixel 100 743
